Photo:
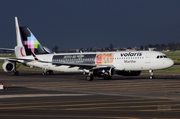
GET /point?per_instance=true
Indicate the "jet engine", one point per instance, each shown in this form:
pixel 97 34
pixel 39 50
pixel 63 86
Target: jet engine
pixel 101 72
pixel 8 66
pixel 129 73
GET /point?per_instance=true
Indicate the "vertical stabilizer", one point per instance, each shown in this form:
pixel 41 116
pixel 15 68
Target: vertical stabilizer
pixel 27 43
pixel 19 49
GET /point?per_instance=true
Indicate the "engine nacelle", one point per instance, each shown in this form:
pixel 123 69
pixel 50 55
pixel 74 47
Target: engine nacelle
pixel 8 66
pixel 129 73
pixel 100 72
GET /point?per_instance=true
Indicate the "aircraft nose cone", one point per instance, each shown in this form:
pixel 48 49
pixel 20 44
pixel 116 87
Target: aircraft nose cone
pixel 170 63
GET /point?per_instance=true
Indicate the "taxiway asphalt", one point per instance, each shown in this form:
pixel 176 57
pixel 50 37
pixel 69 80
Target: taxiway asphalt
pixel 63 95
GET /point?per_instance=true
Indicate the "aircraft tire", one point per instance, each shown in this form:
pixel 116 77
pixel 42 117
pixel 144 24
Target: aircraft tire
pixel 152 77
pixel 107 77
pixel 44 73
pixel 90 78
pixel 50 72
pixel 15 73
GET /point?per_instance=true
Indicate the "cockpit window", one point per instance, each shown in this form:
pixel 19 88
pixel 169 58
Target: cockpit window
pixel 161 56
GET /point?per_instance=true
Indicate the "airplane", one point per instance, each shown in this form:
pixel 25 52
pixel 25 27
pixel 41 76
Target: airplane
pixel 31 53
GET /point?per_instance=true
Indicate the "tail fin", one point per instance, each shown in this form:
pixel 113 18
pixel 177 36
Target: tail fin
pixel 27 42
pixel 19 49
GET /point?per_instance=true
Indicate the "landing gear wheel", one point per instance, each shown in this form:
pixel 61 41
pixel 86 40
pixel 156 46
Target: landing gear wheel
pixel 151 74
pixel 15 73
pixel 50 72
pixel 44 73
pixel 152 77
pixel 90 78
pixel 107 77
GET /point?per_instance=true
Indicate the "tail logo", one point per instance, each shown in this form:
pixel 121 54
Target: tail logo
pixel 31 42
pixel 21 51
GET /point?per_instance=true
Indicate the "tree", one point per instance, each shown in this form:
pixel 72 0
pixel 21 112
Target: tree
pixel 111 46
pixel 141 47
pixel 55 48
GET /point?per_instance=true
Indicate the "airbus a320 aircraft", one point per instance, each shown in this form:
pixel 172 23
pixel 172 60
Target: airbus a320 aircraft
pixel 30 52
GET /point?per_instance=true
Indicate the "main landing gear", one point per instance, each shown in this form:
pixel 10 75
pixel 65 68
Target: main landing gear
pixel 90 76
pixel 15 72
pixel 151 74
pixel 106 76
pixel 46 72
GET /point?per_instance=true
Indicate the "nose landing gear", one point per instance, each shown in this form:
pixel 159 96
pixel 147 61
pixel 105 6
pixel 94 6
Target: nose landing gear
pixel 151 74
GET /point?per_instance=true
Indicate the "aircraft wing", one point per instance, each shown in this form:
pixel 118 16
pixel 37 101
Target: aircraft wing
pixel 15 59
pixel 9 59
pixel 10 49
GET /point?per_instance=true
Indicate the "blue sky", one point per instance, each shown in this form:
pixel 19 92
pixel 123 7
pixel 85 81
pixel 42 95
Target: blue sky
pixel 92 23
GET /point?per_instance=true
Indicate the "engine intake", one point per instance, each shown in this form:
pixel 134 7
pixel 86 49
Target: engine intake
pixel 8 66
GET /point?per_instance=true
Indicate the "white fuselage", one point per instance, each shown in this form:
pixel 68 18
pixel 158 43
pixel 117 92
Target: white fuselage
pixel 122 60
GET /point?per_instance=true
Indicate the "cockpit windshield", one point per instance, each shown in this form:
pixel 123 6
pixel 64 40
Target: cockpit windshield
pixel 161 56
